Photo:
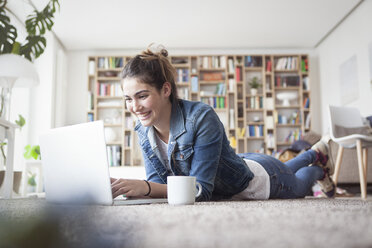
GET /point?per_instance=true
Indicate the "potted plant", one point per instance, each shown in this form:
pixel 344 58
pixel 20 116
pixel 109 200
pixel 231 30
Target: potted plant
pixel 254 84
pixel 36 25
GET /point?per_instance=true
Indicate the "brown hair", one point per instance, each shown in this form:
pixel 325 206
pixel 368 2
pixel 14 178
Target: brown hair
pixel 152 68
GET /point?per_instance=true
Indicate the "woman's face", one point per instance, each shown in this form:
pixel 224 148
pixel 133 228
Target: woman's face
pixel 146 102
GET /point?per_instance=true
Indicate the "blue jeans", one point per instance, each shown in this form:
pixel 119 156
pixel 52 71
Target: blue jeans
pixel 292 179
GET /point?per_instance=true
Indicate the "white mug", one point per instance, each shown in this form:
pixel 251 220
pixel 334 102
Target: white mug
pixel 182 190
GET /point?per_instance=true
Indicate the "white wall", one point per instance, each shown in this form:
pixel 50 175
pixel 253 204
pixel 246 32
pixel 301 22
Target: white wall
pixel 38 105
pixel 42 99
pixel 351 38
pixel 78 76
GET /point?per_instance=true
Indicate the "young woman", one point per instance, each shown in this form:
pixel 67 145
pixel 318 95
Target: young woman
pixel 180 137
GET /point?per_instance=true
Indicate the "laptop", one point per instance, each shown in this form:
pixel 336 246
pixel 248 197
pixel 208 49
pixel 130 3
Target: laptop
pixel 76 169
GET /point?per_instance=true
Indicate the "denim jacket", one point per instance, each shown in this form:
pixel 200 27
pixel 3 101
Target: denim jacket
pixel 198 147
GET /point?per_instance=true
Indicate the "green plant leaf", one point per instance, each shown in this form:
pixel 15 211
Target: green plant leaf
pixel 34 47
pixel 52 5
pixel 36 152
pixel 21 121
pixel 8 33
pixel 38 22
pixel 2 3
pixel 27 153
pixel 32 152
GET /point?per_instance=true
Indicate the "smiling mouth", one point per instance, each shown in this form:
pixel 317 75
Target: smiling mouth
pixel 144 116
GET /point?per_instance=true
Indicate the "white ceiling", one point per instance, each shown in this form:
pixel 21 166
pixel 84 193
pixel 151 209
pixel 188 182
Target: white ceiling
pixel 132 24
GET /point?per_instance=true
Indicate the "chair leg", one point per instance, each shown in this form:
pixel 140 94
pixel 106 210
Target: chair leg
pixel 365 163
pixel 363 185
pixel 338 164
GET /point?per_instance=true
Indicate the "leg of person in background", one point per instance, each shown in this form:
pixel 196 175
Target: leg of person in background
pixel 295 178
pixel 326 161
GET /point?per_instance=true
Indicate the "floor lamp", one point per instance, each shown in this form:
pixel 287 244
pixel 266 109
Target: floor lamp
pixel 15 71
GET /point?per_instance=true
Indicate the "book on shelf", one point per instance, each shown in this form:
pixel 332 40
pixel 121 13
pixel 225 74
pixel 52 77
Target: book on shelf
pixel 127 139
pixel 306 104
pixel 230 62
pixel 281 119
pixel 286 63
pixel 295 118
pixel 253 61
pixel 109 89
pixel 114 155
pixel 194 84
pixel 213 89
pixel 182 75
pixel 255 102
pixel 308 121
pixel 240 132
pixel 306 83
pixel 248 61
pixel 255 131
pixel 268 66
pixel 232 85
pixel 179 60
pixel 238 72
pixel 90 100
pixel 213 62
pixel 110 62
pixel 304 65
pixel 212 76
pixel 293 136
pixel 287 81
pixel 221 89
pixel 215 102
pixel 90 117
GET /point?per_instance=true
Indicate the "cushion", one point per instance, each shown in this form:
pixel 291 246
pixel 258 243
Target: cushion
pixel 341 131
pixel 312 137
pixel 299 145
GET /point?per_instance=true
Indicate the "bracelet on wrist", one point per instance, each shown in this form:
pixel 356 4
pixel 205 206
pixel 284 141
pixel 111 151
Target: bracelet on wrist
pixel 148 184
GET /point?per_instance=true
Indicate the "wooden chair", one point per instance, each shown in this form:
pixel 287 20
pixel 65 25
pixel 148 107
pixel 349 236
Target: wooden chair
pixel 347 130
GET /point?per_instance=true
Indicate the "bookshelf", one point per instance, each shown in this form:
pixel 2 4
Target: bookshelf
pixel 265 121
pixel 105 102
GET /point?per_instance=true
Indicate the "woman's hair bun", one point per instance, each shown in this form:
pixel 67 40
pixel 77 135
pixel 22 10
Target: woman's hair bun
pixel 156 49
pixel 164 52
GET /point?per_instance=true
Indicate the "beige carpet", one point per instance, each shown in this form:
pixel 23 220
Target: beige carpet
pixel 275 223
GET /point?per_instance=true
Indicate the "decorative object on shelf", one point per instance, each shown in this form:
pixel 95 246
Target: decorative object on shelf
pixel 254 84
pixel 287 97
pixel 32 178
pixel 110 135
